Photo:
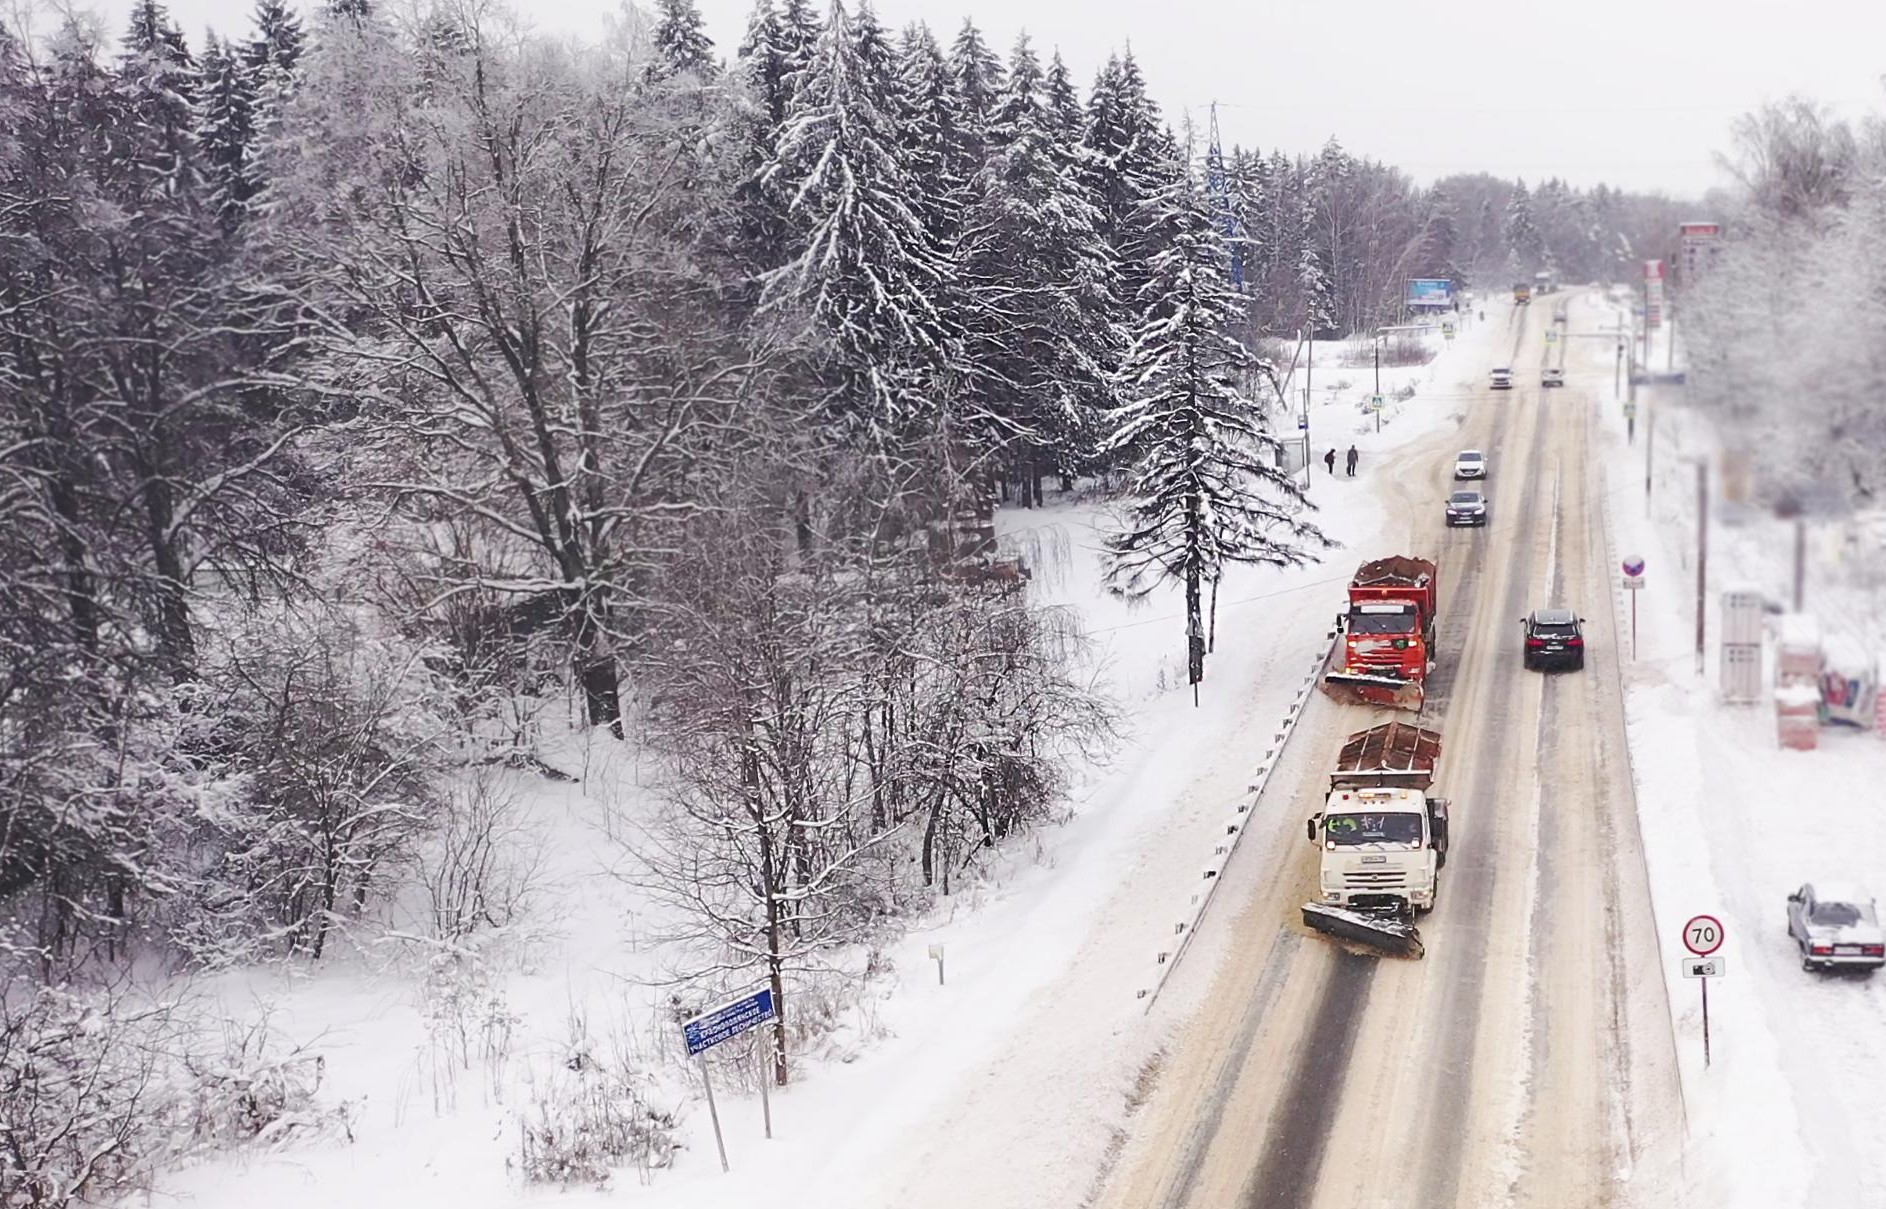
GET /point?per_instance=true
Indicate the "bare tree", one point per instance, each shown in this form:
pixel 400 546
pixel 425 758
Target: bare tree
pixel 508 294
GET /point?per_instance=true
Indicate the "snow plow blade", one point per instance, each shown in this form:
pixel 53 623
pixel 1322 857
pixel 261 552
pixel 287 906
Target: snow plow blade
pixel 1354 688
pixel 1383 933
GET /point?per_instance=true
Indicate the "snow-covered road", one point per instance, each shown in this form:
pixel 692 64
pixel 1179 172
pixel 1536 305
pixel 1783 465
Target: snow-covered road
pixel 1529 1059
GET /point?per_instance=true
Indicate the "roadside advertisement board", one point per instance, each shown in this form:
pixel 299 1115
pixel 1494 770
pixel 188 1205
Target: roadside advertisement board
pixel 1430 292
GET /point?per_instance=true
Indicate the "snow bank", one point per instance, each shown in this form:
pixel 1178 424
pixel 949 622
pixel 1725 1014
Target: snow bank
pixel 1788 1111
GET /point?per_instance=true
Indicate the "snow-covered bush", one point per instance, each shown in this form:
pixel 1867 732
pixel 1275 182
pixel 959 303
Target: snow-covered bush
pixel 337 732
pixel 100 1089
pixel 479 868
pixel 590 1116
pixel 241 1091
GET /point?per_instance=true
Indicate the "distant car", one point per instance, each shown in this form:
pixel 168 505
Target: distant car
pixel 1466 508
pixel 1836 927
pixel 1552 377
pixel 1502 379
pixel 1554 638
pixel 1470 464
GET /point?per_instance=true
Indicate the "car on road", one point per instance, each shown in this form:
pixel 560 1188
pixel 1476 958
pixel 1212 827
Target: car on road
pixel 1502 379
pixel 1552 377
pixel 1466 508
pixel 1554 638
pixel 1470 464
pixel 1836 927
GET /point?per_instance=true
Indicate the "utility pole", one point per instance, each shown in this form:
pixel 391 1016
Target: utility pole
pixel 1669 335
pixel 1702 552
pixel 1378 363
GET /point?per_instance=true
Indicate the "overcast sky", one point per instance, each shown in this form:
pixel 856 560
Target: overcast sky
pixel 1637 93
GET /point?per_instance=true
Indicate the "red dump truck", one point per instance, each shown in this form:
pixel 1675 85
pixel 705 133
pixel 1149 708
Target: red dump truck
pixel 1387 642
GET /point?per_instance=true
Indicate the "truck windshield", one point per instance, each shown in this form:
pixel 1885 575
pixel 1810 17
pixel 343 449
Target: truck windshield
pixel 1381 623
pixel 1349 829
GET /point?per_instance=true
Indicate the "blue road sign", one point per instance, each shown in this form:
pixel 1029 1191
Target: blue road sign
pixel 727 1021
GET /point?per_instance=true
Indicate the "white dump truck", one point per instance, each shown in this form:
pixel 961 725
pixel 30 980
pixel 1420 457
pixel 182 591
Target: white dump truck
pixel 1381 840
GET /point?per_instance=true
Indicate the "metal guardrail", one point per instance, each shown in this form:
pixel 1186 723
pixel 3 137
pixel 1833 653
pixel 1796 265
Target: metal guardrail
pixel 1187 926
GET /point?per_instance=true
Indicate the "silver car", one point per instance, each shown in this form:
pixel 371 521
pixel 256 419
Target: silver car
pixel 1836 927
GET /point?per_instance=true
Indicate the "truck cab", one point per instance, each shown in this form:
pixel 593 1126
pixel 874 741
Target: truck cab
pixel 1381 849
pixel 1381 840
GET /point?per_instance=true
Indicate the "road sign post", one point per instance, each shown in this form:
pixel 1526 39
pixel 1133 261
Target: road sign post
pixel 1633 583
pixel 724 1023
pixel 1703 935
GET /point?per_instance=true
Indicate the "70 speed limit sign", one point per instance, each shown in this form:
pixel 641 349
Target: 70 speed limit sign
pixel 1702 935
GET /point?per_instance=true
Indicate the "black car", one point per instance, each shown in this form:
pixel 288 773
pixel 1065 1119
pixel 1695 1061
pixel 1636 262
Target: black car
pixel 1554 638
pixel 1466 508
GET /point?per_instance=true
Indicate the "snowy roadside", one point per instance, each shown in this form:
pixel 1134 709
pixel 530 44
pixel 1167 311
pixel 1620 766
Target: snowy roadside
pixel 927 1094
pixel 1784 1114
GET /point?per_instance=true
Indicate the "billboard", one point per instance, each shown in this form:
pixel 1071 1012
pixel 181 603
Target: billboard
pixel 1653 293
pixel 1430 292
pixel 1701 244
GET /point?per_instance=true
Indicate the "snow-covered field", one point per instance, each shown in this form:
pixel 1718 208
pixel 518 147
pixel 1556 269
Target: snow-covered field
pixel 1790 1108
pixel 1005 1086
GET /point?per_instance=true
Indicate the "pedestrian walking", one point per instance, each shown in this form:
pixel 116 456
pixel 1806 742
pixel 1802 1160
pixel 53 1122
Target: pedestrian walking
pixel 1353 456
pixel 1329 459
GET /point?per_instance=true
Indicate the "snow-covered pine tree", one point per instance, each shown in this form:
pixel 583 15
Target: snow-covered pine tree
pixel 1132 159
pixel 682 46
pixel 278 40
pixel 799 31
pixel 1205 488
pixel 1042 342
pixel 862 267
pixel 1282 294
pixel 1440 240
pixel 927 134
pixel 765 65
pixel 226 105
pixel 158 81
pixel 1331 215
pixel 977 71
pixel 877 66
pixel 1524 244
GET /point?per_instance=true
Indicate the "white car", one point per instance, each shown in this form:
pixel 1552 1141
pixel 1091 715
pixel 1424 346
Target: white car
pixel 1470 464
pixel 1552 377
pixel 1836 926
pixel 1502 379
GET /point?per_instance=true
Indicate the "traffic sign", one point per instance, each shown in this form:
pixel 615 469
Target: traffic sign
pixel 1551 335
pixel 1633 583
pixel 1303 423
pixel 1633 565
pixel 1377 402
pixel 1705 967
pixel 1702 935
pixel 727 1021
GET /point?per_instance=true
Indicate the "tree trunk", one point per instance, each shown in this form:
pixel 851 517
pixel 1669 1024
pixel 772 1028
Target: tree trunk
pixel 174 636
pixel 602 685
pixel 769 886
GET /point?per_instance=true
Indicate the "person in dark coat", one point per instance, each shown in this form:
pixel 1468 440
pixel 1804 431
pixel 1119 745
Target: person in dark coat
pixel 1353 457
pixel 1329 459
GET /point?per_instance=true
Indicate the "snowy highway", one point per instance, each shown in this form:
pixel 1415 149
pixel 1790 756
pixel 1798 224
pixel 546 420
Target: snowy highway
pixel 1528 1060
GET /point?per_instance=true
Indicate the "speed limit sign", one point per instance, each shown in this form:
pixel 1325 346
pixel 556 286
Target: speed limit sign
pixel 1703 935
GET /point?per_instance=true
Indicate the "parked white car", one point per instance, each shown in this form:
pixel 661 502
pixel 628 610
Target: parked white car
pixel 1836 926
pixel 1470 464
